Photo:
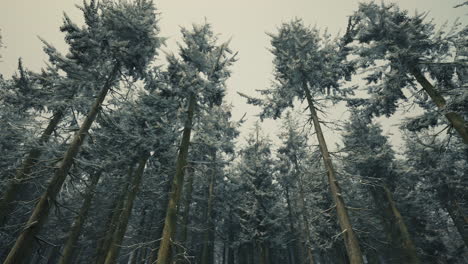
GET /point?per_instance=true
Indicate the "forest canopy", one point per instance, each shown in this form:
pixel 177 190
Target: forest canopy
pixel 121 149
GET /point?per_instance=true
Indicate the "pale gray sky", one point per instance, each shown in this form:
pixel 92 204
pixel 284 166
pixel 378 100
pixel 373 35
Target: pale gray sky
pixel 246 21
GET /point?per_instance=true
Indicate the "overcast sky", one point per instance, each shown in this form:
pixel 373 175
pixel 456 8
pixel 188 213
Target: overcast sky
pixel 245 21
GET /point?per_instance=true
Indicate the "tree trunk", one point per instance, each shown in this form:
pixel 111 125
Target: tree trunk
pixel 12 191
pixel 351 242
pixel 305 217
pixel 160 221
pixel 395 226
pixel 75 229
pixel 139 251
pixel 113 219
pixel 22 248
pixel 177 185
pixel 188 201
pixel 118 236
pixel 459 219
pixel 263 253
pixel 208 219
pixel 455 211
pixel 294 248
pixel 455 119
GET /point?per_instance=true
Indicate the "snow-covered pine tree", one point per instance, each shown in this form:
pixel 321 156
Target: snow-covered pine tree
pixel 198 78
pixel 107 47
pixel 307 66
pixel 370 158
pixel 398 50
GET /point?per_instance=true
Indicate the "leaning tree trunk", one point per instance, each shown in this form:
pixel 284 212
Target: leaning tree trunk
pixel 118 236
pixel 394 225
pixel 185 218
pixel 23 245
pixel 153 255
pixel 113 219
pixel 12 191
pixel 164 253
pixel 455 119
pixel 350 239
pixel 460 220
pixel 75 229
pixel 139 251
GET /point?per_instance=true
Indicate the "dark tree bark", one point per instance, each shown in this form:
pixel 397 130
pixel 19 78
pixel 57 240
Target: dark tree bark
pixel 176 190
pixel 295 249
pixel 455 119
pixel 75 229
pixel 448 199
pixel 113 219
pixel 207 250
pixel 188 201
pixel 119 233
pixel 394 225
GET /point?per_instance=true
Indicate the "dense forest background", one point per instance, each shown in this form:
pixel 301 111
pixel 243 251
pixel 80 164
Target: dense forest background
pixel 121 151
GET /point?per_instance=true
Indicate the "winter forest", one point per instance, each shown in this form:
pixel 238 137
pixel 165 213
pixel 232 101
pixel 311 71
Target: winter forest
pixel 124 148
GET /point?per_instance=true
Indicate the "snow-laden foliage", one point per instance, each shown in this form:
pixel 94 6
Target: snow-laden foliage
pixel 303 59
pixel 391 45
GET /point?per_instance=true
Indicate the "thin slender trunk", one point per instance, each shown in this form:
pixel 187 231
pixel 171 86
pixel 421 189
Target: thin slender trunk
pixel 205 259
pixel 75 230
pixel 455 119
pixel 176 190
pixel 113 219
pixel 148 235
pixel 395 226
pixel 305 218
pixel 351 242
pixel 455 211
pixel 295 254
pixel 406 244
pixel 117 239
pixel 231 249
pixel 12 192
pixel 136 254
pixel 263 253
pixel 160 223
pixel 188 201
pixel 22 248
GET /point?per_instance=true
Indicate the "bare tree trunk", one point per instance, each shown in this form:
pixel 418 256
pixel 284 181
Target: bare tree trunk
pixel 305 218
pixel 22 248
pixel 75 229
pixel 395 226
pixel 160 222
pixel 117 239
pixel 459 219
pixel 188 201
pixel 446 197
pixel 296 249
pixel 139 251
pixel 208 219
pixel 351 242
pixel 113 221
pixel 406 244
pixel 12 193
pixel 176 190
pixel 455 119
